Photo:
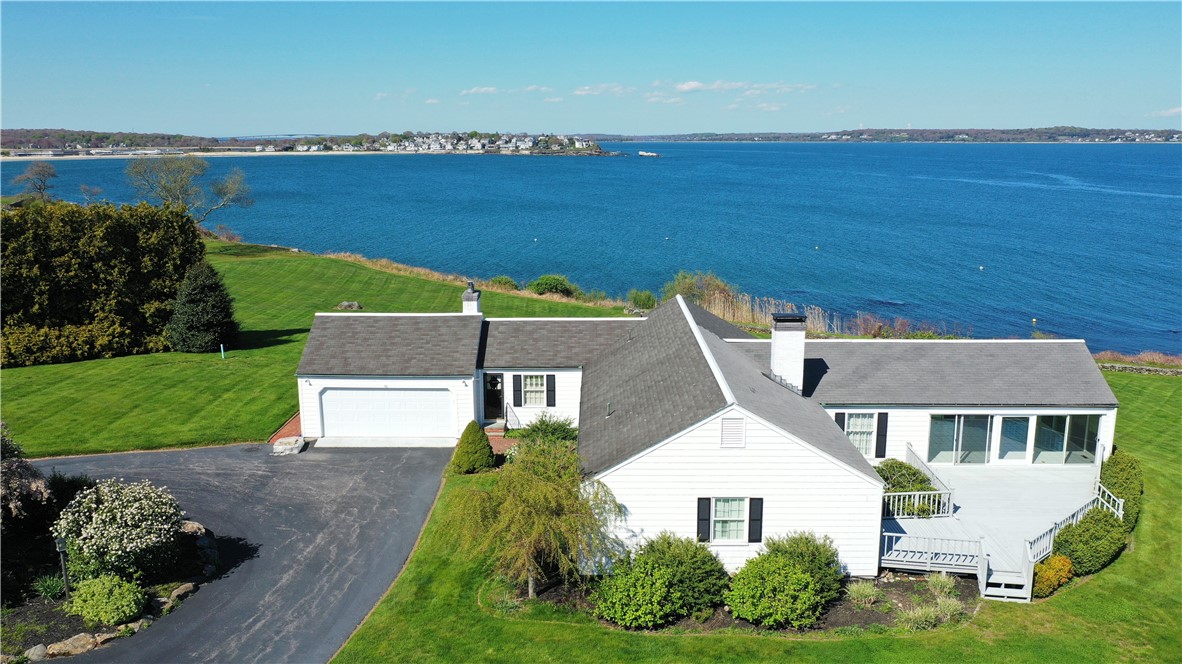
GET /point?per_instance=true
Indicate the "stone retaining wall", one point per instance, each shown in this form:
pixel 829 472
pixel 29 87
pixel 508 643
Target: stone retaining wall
pixel 1132 368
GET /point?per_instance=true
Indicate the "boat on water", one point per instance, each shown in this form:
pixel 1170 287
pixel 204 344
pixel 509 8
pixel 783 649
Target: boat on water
pixel 642 153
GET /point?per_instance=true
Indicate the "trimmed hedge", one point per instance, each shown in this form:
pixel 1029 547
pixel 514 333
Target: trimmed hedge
pixel 1121 474
pixel 1050 574
pixel 641 593
pixel 695 571
pixel 773 591
pixel 1092 543
pixel 816 556
pixel 473 453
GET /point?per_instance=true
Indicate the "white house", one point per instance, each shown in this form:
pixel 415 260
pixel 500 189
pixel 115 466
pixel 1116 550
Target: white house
pixel 702 430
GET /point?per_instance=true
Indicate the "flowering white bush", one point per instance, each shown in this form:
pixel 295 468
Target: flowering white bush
pixel 120 528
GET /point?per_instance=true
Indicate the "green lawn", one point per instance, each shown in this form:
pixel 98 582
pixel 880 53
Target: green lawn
pixel 180 399
pixel 1131 611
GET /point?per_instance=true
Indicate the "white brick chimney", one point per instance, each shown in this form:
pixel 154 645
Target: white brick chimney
pixel 788 348
pixel 471 299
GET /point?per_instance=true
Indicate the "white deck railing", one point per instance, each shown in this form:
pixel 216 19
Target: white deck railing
pixel 1040 547
pixel 917 504
pixel 931 553
pixel 914 460
pixel 512 421
pixel 1109 501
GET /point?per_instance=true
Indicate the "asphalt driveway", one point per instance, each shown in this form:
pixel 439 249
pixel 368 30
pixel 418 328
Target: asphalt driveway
pixel 309 543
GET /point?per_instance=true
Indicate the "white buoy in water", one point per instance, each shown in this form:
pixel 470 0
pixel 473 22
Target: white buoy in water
pixel 981 268
pixel 818 247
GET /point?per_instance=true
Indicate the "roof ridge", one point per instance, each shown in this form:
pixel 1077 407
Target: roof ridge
pixel 725 387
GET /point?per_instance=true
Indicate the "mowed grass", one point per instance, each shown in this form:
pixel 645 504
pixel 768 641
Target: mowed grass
pixel 1131 611
pixel 183 399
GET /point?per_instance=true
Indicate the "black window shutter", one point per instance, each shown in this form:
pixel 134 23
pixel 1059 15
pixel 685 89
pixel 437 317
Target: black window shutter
pixel 755 520
pixel 517 390
pixel 703 519
pixel 840 419
pixel 550 401
pixel 880 440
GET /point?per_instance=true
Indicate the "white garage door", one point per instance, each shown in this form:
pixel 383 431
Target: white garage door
pixel 388 413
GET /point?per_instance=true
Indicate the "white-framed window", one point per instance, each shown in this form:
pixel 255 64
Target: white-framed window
pixel 533 390
pixel 729 520
pixel 859 428
pixel 734 432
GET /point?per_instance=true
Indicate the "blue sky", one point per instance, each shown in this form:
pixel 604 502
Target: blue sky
pixel 260 68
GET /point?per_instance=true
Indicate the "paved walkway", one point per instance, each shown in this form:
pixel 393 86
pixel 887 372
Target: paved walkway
pixel 309 544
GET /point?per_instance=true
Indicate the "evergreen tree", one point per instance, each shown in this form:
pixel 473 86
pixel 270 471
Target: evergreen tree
pixel 203 313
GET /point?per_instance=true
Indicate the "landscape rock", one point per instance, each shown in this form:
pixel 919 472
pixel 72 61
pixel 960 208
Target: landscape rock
pixel 158 606
pixel 182 591
pixel 36 653
pixel 75 645
pixel 192 528
pixel 349 306
pixel 100 639
pixel 287 445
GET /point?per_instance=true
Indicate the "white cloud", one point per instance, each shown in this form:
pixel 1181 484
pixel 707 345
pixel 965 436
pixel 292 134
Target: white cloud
pixel 784 87
pixel 1168 113
pixel 613 88
pixel 479 91
pixel 552 100
pixel 768 107
pixel 380 96
pixel 693 86
pixel 431 101
pixel 538 88
pixel 661 98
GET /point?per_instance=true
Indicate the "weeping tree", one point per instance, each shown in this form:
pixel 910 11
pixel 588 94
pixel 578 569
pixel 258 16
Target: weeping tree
pixel 541 517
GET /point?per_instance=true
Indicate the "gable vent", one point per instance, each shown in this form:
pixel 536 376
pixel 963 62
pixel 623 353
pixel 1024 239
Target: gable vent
pixel 734 432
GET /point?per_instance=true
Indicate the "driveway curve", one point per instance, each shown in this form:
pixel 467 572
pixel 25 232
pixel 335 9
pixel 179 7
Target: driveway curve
pixel 309 544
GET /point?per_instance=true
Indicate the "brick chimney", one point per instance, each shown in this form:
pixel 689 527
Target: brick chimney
pixel 788 348
pixel 471 299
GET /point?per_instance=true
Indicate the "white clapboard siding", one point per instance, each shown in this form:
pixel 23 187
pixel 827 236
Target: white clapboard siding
pixel 568 385
pixel 311 388
pixel 801 489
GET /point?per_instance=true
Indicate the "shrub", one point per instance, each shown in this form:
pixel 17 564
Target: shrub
pixel 551 427
pixel 203 313
pixel 106 600
pixel 1121 475
pixel 21 484
pixel 1093 542
pixel 816 556
pixel 902 477
pixel 698 287
pixel 919 618
pixel 642 299
pixel 553 283
pixel 696 573
pixel 949 609
pixel 123 529
pixel 63 488
pixel 864 593
pixel 49 586
pixel 639 594
pixel 504 282
pixel 1050 574
pixel 473 453
pixel 941 584
pixel 773 591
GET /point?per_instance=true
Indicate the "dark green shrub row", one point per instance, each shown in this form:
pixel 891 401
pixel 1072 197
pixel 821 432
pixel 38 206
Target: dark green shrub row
pixel 1092 543
pixel 473 453
pixel 90 281
pixel 1121 474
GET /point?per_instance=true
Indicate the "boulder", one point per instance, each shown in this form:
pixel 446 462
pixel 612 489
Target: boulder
pixel 100 639
pixel 158 606
pixel 192 528
pixel 75 645
pixel 36 653
pixel 182 591
pixel 349 306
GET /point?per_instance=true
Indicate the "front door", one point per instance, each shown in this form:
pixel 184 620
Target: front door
pixel 494 396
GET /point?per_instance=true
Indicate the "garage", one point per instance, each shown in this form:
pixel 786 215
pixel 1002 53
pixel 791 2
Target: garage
pixel 400 413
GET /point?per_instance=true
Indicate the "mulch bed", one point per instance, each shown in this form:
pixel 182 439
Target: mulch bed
pixel 902 592
pixel 38 621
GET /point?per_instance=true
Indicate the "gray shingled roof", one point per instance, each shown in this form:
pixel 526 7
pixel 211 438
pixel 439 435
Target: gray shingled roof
pixel 375 345
pixel 780 406
pixel 513 344
pixel 659 382
pixel 654 384
pixel 954 373
pixel 708 321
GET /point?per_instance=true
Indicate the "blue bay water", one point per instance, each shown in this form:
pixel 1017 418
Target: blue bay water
pixel 1085 238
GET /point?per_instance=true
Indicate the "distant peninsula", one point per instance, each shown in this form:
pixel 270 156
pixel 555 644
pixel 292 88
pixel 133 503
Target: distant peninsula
pixel 82 143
